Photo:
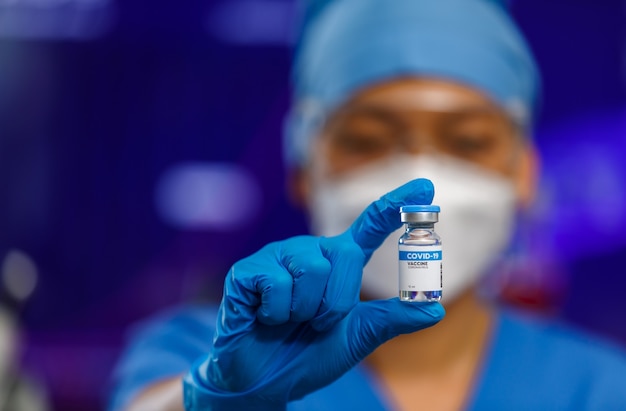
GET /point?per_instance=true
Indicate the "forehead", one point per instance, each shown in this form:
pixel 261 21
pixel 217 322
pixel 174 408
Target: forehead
pixel 421 94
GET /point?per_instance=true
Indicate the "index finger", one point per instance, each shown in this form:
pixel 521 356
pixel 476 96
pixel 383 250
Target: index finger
pixel 381 217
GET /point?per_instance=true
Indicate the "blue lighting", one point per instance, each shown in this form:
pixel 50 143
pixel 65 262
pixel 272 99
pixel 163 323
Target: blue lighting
pixel 55 19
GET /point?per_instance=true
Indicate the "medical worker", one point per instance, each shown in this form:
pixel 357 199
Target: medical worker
pixel 387 95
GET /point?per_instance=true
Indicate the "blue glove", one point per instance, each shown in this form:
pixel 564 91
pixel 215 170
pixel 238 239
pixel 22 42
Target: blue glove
pixel 290 321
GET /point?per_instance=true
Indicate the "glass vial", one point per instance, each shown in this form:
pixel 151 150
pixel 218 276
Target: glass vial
pixel 420 255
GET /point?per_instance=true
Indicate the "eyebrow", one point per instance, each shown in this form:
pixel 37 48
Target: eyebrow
pixel 387 113
pixel 377 111
pixel 386 109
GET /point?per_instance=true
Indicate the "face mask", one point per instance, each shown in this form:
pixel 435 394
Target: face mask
pixel 475 223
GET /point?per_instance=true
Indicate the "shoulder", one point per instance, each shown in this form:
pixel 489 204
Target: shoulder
pixel 188 318
pixel 562 366
pixel 546 336
pixel 183 332
pixel 162 346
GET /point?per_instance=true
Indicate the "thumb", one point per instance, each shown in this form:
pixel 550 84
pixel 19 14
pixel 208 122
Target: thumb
pixel 375 322
pixel 381 218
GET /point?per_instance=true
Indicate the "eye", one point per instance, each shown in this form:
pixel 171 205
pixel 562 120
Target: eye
pixel 470 144
pixel 361 143
pixel 473 136
pixel 363 136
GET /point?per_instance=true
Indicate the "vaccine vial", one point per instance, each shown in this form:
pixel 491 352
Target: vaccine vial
pixel 420 255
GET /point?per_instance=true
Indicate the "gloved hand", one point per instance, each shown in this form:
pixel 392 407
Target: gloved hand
pixel 290 321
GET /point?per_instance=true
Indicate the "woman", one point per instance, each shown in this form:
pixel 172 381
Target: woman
pixel 386 93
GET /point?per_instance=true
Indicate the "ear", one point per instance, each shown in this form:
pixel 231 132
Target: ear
pixel 527 175
pixel 298 187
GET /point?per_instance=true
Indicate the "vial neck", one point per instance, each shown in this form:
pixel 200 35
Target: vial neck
pixel 412 226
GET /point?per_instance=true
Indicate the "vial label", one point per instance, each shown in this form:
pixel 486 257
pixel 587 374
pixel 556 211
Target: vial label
pixel 420 268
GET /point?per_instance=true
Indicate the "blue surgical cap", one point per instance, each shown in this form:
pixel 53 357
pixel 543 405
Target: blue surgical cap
pixel 354 43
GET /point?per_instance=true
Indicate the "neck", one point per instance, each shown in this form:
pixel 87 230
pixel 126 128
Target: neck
pixel 458 339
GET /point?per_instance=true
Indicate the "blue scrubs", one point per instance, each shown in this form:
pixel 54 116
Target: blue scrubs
pixel 531 364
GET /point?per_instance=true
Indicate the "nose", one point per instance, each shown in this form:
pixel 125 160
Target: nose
pixel 417 144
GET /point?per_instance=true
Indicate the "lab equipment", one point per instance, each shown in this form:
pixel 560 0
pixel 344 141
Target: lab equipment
pixel 420 254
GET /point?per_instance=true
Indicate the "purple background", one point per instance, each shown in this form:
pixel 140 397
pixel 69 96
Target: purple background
pixel 98 99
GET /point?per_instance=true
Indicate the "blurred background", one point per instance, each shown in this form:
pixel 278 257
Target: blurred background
pixel 140 156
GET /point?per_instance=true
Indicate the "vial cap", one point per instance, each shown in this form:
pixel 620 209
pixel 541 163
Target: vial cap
pixel 420 209
pixel 419 214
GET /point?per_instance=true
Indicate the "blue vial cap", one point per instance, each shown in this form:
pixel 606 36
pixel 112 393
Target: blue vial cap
pixel 420 209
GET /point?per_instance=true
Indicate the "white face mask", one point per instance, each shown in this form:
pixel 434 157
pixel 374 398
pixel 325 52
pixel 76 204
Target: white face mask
pixel 475 223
